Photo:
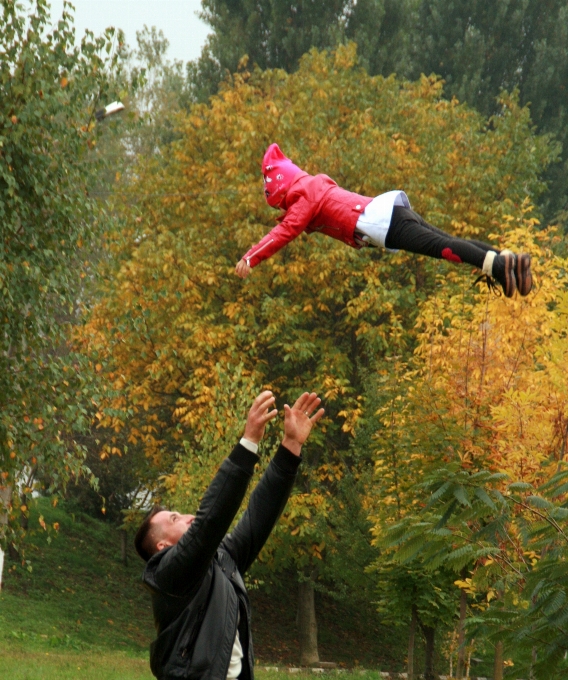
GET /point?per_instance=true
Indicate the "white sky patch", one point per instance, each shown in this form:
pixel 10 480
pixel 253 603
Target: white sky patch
pixel 177 19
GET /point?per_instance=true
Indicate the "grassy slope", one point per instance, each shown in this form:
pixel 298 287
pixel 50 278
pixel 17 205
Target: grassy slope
pixel 79 594
pixel 80 601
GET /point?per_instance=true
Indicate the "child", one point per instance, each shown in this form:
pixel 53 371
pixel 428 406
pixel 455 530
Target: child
pixel 316 203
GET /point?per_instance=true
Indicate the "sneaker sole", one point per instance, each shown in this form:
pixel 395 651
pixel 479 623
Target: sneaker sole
pixel 523 274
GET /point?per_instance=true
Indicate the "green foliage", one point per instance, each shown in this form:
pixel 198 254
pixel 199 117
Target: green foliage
pixel 483 47
pixel 49 91
pixel 276 34
pixel 513 544
pixel 158 91
pixel 402 589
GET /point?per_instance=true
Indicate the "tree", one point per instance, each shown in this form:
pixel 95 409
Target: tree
pixel 49 91
pixel 173 322
pixel 481 48
pixel 483 414
pixel 275 34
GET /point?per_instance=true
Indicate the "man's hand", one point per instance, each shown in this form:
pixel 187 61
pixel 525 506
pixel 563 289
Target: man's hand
pixel 298 421
pixel 259 415
pixel 242 269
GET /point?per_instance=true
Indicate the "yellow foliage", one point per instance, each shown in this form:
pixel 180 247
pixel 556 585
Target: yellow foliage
pixel 487 387
pixel 174 325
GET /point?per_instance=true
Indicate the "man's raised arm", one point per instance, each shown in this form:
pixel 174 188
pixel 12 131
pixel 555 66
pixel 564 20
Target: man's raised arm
pixel 186 562
pixel 272 492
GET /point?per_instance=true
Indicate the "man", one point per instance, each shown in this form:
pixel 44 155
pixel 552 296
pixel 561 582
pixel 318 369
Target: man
pixel 195 572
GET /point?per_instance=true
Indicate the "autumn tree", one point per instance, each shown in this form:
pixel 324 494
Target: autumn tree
pixel 479 48
pixel 481 416
pixel 174 324
pixel 49 92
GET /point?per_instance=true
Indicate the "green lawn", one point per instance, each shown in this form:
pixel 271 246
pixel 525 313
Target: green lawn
pixel 21 664
pixel 18 663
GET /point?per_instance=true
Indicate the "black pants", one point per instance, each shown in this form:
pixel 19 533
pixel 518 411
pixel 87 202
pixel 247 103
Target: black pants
pixel 408 231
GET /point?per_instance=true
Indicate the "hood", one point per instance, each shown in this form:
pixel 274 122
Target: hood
pixel 279 173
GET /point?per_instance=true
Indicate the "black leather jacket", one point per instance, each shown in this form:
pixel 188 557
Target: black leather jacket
pixel 197 587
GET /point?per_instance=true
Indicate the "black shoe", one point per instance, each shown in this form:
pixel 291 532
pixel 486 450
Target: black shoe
pixel 523 274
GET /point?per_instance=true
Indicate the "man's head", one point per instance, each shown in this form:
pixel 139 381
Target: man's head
pixel 279 173
pixel 160 529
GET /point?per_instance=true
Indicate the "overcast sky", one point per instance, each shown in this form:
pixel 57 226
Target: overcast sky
pixel 185 32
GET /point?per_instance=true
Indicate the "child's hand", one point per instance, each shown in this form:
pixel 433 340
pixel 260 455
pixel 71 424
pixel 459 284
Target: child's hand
pixel 242 269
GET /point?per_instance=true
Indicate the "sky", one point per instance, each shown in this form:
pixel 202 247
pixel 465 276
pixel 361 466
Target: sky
pixel 177 19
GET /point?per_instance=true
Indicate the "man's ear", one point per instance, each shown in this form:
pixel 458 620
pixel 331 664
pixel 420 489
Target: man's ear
pixel 160 545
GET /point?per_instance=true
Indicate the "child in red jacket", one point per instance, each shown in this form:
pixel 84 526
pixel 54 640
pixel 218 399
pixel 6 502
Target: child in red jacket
pixel 317 203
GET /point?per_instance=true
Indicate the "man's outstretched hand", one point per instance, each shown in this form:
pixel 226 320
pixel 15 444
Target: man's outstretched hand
pixel 299 420
pixel 259 415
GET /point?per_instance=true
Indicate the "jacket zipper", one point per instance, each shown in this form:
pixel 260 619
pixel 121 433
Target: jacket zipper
pixel 259 250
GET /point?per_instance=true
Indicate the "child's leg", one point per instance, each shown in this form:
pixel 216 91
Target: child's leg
pixel 480 244
pixel 409 231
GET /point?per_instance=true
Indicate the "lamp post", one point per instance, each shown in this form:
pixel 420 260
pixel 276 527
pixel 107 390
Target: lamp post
pixel 109 110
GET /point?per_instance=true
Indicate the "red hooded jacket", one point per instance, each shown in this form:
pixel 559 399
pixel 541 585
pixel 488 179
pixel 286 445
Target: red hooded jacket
pixel 312 203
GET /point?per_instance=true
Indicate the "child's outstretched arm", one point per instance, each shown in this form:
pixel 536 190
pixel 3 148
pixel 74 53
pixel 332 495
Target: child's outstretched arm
pixel 297 218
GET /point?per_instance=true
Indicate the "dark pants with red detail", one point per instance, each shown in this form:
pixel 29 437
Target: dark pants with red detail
pixel 408 231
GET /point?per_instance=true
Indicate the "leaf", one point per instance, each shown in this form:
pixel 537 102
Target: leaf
pixel 461 495
pixel 484 498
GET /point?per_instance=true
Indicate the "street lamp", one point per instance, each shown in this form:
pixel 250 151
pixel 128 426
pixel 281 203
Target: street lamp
pixel 109 110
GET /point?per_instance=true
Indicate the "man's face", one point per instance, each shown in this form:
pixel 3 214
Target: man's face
pixel 170 527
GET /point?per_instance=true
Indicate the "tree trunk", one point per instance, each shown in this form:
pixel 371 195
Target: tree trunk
pixel 498 665
pixel 411 639
pixel 307 625
pixel 123 544
pixel 5 499
pixel 460 669
pixel 430 637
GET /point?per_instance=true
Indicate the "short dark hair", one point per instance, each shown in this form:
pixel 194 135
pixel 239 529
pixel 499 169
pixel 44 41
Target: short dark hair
pixel 144 541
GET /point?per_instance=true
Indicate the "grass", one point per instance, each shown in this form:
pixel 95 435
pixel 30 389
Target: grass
pixel 21 664
pixel 81 613
pixel 79 595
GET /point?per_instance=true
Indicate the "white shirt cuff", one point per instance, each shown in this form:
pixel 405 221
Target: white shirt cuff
pixel 251 446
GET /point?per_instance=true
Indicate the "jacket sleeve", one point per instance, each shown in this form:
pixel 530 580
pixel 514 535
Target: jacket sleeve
pixel 297 219
pixel 183 566
pixel 265 507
